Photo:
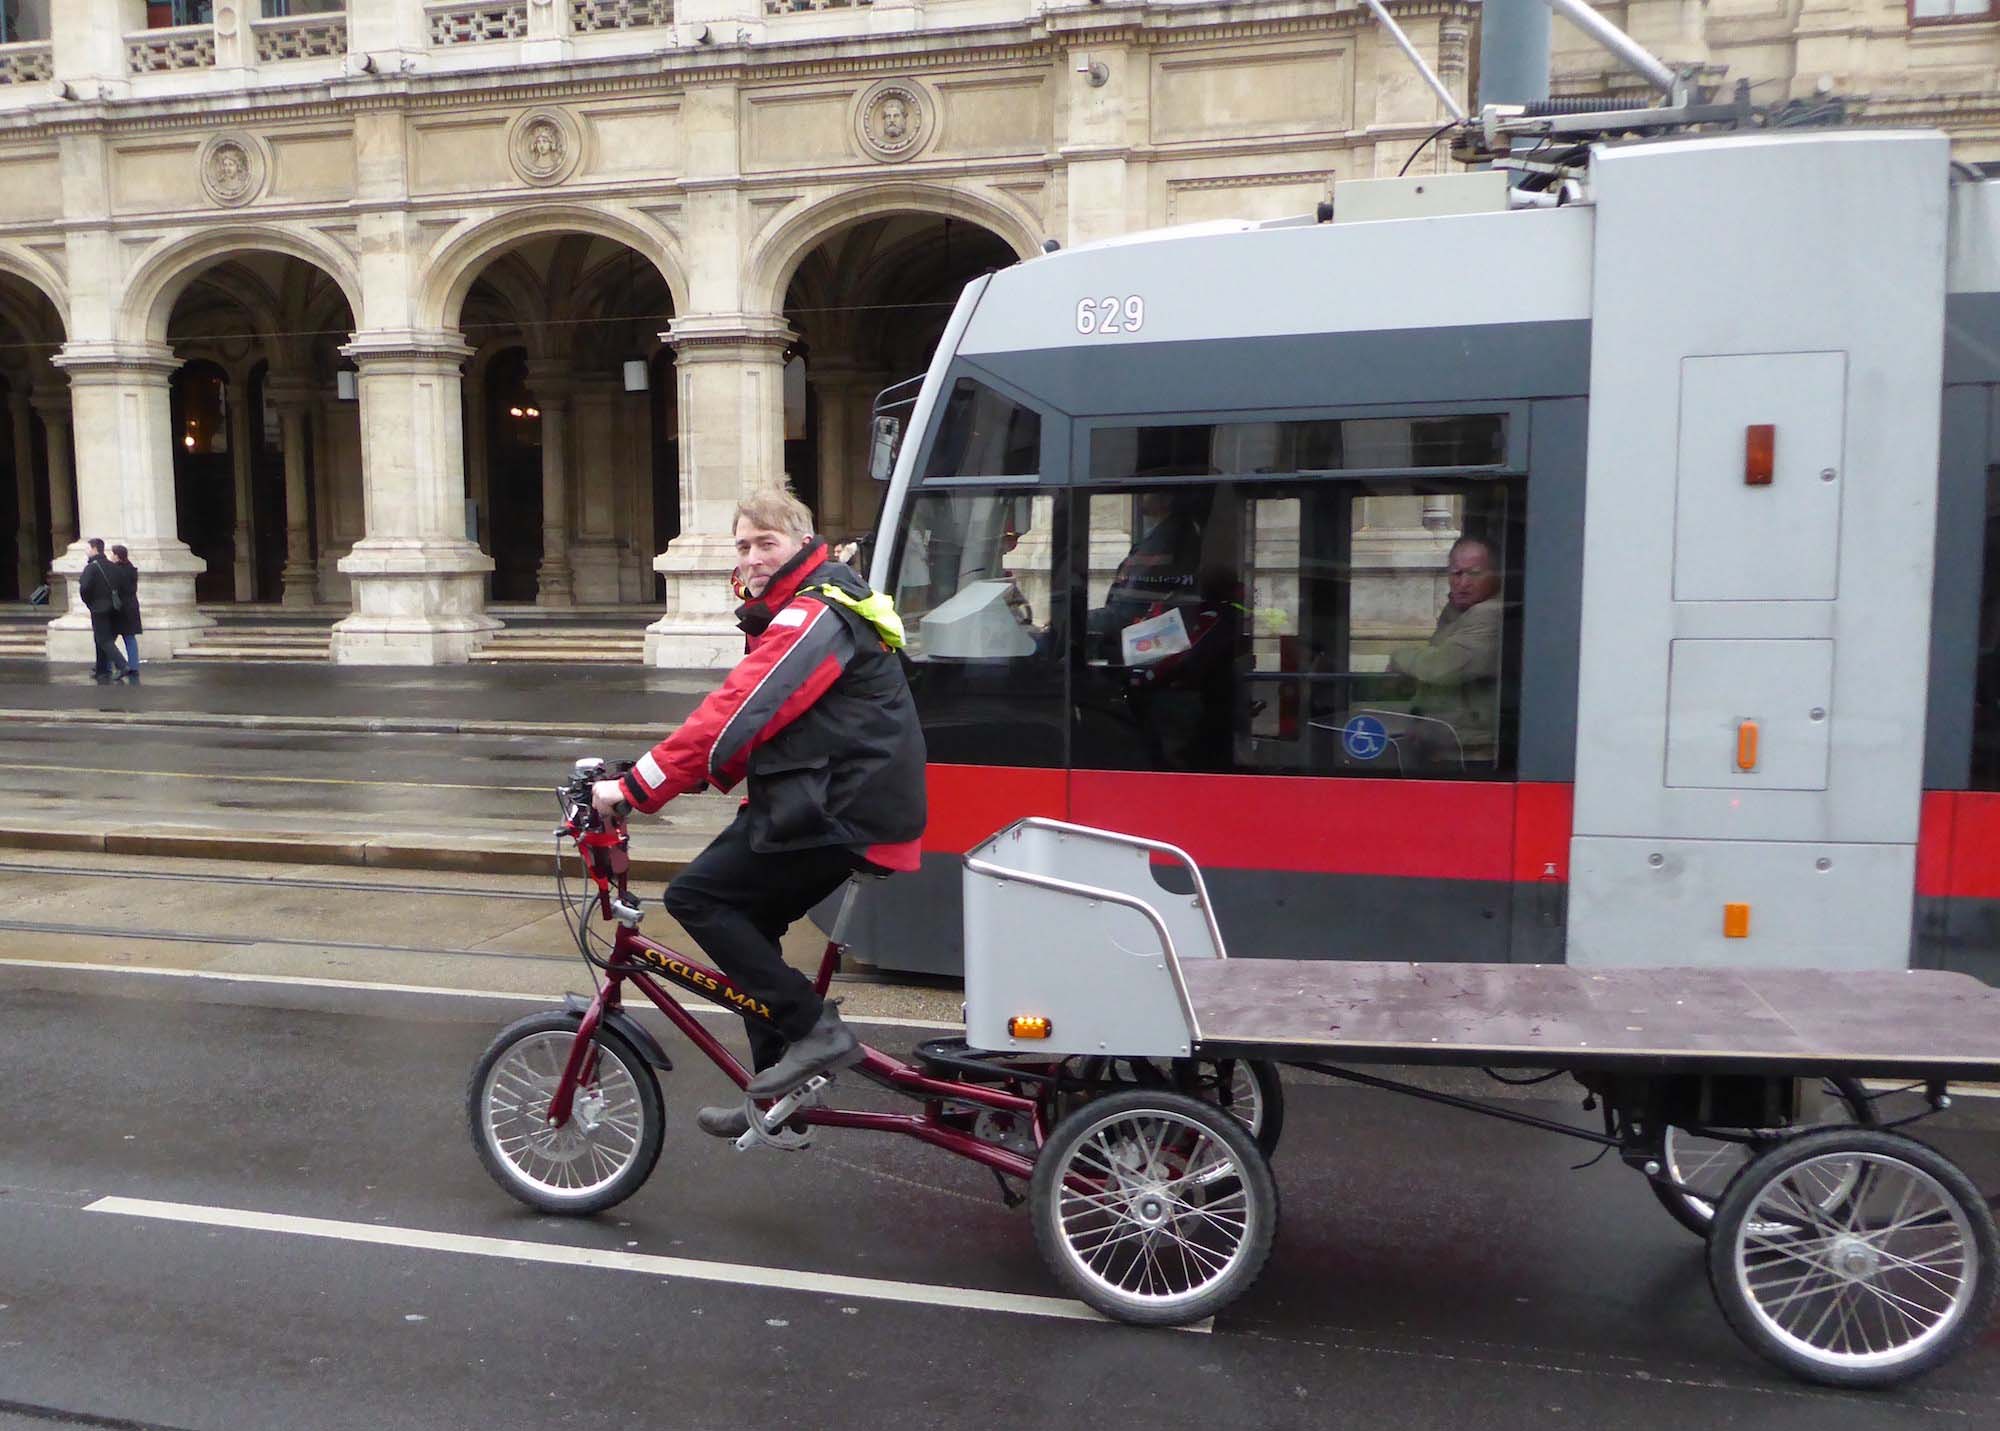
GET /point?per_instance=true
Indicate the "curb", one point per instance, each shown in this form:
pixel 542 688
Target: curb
pixel 399 725
pixel 397 852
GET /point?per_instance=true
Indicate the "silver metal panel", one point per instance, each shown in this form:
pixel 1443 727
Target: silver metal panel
pixel 1068 923
pixel 1328 278
pixel 1812 906
pixel 1482 191
pixel 1779 542
pixel 1975 237
pixel 1762 278
pixel 1713 687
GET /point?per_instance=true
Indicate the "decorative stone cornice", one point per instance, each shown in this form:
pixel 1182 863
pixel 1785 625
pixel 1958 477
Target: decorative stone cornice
pixel 703 334
pixel 383 346
pixel 99 362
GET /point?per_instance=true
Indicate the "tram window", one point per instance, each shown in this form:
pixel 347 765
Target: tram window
pixel 983 434
pixel 1373 444
pixel 1325 628
pixel 985 640
pixel 1986 679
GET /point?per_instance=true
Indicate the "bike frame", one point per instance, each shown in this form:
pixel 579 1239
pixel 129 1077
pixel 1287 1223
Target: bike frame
pixel 644 963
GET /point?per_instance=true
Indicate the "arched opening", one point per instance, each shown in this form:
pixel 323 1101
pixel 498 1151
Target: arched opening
pixel 267 439
pixel 570 450
pixel 37 486
pixel 869 302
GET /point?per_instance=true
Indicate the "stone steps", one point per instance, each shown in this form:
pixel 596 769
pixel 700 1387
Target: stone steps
pixel 232 641
pixel 566 645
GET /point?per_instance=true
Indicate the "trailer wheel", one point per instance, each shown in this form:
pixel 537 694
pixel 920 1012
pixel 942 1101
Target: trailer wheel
pixel 1153 1207
pixel 1886 1283
pixel 1705 1166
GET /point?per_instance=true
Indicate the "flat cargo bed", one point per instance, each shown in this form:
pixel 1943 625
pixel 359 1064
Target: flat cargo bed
pixel 1913 1023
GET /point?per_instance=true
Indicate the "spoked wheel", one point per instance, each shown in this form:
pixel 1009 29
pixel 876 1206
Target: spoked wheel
pixel 1153 1207
pixel 1886 1282
pixel 1245 1088
pixel 608 1146
pixel 1705 1166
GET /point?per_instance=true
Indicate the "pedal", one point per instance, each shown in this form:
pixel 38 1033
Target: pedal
pixel 767 1125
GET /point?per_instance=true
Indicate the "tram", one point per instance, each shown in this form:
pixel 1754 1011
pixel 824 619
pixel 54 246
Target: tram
pixel 1689 454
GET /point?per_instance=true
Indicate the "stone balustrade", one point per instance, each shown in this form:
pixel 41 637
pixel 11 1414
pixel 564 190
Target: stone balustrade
pixel 300 37
pixel 182 47
pixel 30 62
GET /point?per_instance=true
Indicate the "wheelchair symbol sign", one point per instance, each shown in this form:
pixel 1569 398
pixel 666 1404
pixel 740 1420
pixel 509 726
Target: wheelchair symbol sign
pixel 1364 737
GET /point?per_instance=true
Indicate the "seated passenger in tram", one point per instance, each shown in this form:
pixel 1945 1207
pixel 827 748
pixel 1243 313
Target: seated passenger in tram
pixel 1457 672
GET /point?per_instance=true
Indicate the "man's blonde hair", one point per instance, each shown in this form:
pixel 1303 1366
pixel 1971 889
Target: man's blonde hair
pixel 775 509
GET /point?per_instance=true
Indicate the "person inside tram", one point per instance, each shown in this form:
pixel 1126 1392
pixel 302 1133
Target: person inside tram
pixel 1157 576
pixel 1457 671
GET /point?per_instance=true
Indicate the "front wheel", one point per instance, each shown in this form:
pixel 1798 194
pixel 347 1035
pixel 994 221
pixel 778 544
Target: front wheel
pixel 1153 1207
pixel 1887 1283
pixel 612 1139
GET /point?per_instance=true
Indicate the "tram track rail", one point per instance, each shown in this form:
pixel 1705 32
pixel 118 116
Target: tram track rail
pixel 276 881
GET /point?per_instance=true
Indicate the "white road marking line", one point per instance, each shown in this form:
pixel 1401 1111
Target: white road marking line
pixel 689 1269
pixel 365 986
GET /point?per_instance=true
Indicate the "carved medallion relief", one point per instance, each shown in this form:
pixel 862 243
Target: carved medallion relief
pixel 233 167
pixel 544 146
pixel 895 119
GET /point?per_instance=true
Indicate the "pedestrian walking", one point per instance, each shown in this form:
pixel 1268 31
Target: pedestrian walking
pixel 101 599
pixel 125 582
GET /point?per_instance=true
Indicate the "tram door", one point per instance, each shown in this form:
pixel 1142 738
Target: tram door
pixel 1760 514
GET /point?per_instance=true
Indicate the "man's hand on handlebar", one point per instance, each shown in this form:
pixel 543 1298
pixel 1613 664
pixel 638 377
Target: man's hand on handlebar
pixel 608 798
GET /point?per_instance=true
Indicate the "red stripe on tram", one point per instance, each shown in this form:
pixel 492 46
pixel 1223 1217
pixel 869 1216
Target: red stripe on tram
pixel 1934 843
pixel 1971 853
pixel 1433 829
pixel 970 802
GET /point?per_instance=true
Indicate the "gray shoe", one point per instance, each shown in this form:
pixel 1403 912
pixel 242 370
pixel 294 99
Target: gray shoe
pixel 733 1123
pixel 830 1045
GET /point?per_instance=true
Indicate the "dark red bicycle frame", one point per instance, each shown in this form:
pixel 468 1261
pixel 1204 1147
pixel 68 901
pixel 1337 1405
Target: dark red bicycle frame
pixel 640 961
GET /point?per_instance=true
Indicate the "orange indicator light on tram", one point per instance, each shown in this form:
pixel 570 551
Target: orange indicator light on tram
pixel 1735 921
pixel 1746 745
pixel 1029 1026
pixel 1760 454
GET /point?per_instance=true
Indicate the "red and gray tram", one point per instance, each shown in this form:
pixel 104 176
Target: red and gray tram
pixel 1478 578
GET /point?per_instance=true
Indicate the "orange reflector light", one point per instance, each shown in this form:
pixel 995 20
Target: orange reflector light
pixel 1746 745
pixel 1029 1026
pixel 1735 921
pixel 1760 453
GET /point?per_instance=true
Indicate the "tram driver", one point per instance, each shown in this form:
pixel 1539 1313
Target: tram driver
pixel 1457 672
pixel 817 718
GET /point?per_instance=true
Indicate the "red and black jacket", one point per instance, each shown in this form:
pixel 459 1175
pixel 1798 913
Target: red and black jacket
pixel 817 715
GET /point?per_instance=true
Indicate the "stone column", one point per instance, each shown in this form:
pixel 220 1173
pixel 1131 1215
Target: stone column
pixel 635 451
pixel 417 582
pixel 53 405
pixel 550 383
pixel 125 491
pixel 730 370
pixel 240 452
pixel 830 397
pixel 593 556
pixel 292 397
pixel 478 476
pixel 28 536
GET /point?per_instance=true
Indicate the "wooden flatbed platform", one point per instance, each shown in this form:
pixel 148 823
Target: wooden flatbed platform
pixel 1914 1023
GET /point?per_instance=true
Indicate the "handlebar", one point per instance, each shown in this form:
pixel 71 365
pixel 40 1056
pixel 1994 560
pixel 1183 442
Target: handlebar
pixel 604 845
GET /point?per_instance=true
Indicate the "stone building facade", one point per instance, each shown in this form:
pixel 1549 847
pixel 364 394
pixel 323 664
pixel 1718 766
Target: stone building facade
pixel 416 308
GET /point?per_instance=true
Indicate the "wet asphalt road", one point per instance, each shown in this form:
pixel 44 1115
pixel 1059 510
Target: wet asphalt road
pixel 1433 1270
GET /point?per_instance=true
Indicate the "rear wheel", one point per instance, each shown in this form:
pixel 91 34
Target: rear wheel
pixel 609 1144
pixel 1887 1284
pixel 1153 1207
pixel 1705 1166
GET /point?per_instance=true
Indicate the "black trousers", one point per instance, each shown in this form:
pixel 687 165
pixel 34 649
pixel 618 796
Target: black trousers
pixel 104 634
pixel 738 903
